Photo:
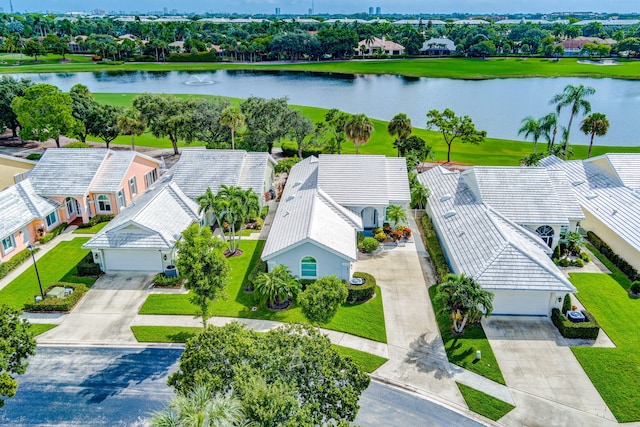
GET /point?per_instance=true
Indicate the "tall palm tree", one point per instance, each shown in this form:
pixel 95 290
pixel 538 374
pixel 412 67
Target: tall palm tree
pixel 549 125
pixel 419 195
pixel 574 97
pixel 358 128
pixel 594 124
pixel 131 122
pixel 234 206
pixel 531 127
pixel 400 127
pixel 232 118
pixel 464 300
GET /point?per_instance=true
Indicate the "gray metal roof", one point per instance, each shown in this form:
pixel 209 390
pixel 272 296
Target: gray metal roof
pixel 603 196
pixel 19 205
pixel 482 243
pixel 438 43
pixel 154 221
pixel 308 214
pixel 626 167
pixel 364 180
pixel 199 169
pixel 112 172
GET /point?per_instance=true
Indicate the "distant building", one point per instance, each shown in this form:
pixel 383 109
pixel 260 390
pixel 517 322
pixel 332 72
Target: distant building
pixel 277 11
pixel 438 47
pixel 574 46
pixel 370 10
pixel 378 10
pixel 375 45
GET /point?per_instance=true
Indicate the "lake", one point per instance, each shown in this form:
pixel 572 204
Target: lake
pixel 496 105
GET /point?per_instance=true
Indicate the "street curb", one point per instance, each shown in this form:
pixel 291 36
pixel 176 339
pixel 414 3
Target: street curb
pixel 97 344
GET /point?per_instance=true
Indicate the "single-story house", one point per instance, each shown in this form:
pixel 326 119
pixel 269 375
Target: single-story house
pixel 92 181
pixel 608 189
pixel 438 47
pixel 143 237
pixel 13 170
pixel 326 201
pixel 479 241
pixel 574 46
pixel 373 46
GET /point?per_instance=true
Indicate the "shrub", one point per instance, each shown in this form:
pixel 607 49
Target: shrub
pixel 258 269
pixel 359 293
pixel 577 263
pixel 193 57
pixel 15 261
pixel 635 287
pixel 321 300
pixel 264 212
pixel 96 220
pixel 434 248
pixel 619 262
pixel 285 165
pixel 86 267
pixel 56 304
pixel 360 236
pixel 377 230
pixel 380 237
pixel 77 144
pixel 34 156
pixel 142 58
pixel 566 304
pixel 582 330
pixel 161 280
pixel 564 262
pixel 290 149
pixel 53 233
pixel 585 257
pixel 369 244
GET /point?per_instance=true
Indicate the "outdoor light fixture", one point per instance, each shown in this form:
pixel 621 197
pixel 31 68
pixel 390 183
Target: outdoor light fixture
pixel 560 299
pixel 33 256
pixel 164 257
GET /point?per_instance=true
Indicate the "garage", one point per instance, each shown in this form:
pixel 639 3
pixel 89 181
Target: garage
pixel 522 303
pixel 132 260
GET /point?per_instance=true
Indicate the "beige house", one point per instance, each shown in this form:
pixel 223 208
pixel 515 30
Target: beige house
pixel 13 170
pixel 371 47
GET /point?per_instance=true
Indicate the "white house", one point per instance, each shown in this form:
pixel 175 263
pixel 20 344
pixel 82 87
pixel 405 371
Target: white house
pixel 438 46
pixel 482 242
pixel 326 201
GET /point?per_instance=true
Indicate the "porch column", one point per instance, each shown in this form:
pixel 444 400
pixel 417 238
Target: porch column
pixel 84 209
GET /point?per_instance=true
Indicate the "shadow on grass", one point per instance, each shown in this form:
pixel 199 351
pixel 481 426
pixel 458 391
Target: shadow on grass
pixel 181 337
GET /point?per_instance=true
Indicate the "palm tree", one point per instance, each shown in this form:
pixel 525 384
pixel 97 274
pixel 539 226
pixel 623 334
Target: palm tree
pixel 232 118
pixel 276 286
pixel 207 202
pixel 573 96
pixel 464 300
pixel 549 125
pixel 397 214
pixel 594 124
pixel 234 206
pixel 131 122
pixel 358 129
pixel 400 127
pixel 531 127
pixel 419 195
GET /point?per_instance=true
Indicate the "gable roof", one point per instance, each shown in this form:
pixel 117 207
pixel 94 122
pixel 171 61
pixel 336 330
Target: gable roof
pixel 199 169
pixel 439 44
pixel 19 205
pixel 383 44
pixel 484 244
pixel 625 167
pixel 154 221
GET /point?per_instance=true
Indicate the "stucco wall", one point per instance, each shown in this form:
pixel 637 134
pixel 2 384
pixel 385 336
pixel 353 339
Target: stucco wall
pixel 9 168
pixel 328 263
pixel 138 168
pixel 21 239
pixel 618 244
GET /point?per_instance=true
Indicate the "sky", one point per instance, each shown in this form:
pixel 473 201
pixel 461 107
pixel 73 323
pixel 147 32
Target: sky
pixel 329 6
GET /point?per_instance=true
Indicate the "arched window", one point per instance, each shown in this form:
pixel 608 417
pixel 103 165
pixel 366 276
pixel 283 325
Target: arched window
pixel 104 203
pixel 308 267
pixel 546 234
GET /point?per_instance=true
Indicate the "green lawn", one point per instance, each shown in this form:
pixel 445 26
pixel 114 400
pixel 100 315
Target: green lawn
pixel 90 230
pixel 613 371
pixel 57 265
pixel 461 349
pixel 366 361
pixel 40 328
pixel 364 320
pixel 483 404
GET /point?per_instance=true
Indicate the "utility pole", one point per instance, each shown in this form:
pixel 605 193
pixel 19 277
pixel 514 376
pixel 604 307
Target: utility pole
pixel 11 6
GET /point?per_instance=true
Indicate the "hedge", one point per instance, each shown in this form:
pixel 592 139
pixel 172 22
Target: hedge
pixel 617 260
pixel 34 156
pixel 53 233
pixel 258 269
pixel 86 267
pixel 193 57
pixel 56 304
pixel 290 149
pixel 96 220
pixel 161 280
pixel 568 329
pixel 433 247
pixel 15 261
pixel 359 293
pixel 285 165
pixel 264 212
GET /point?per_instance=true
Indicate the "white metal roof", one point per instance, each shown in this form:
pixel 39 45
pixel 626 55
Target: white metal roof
pixel 625 166
pixel 438 43
pixel 19 205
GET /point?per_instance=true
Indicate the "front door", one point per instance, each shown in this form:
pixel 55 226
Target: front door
pixel 369 218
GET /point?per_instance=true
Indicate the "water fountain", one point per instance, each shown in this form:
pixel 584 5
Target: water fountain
pixel 199 81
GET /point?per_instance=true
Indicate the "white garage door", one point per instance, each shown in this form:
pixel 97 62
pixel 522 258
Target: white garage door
pixel 522 303
pixel 136 260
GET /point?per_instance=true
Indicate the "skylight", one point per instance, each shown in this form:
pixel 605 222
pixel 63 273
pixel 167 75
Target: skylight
pixel 591 196
pixel 445 197
pixel 449 214
pixel 577 182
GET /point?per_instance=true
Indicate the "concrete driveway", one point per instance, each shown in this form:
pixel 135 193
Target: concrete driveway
pixel 105 313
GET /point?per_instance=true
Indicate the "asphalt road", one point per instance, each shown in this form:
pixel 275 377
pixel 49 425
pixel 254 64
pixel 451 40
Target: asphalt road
pixel 91 386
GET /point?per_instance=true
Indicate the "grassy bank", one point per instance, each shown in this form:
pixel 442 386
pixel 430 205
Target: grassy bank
pixel 491 152
pixel 483 404
pixel 457 68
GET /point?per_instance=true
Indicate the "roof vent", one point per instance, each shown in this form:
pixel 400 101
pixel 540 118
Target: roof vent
pixel 285 213
pixel 445 197
pixel 295 184
pixel 449 214
pixel 577 182
pixel 291 197
pixel 591 196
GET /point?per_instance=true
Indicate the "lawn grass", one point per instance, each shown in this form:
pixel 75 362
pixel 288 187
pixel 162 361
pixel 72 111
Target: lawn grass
pixel 90 230
pixel 613 371
pixel 40 328
pixel 491 152
pixel 365 320
pixel 57 265
pixel 461 349
pixel 484 404
pixel 366 361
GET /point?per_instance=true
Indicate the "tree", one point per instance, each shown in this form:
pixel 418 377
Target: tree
pixel 201 262
pixel 573 97
pixel 83 108
pixel 464 300
pixel 453 127
pixel 54 44
pixel 289 376
pixel 44 112
pixel 266 122
pixel 105 123
pixel 532 159
pixel 333 125
pixel 416 150
pixel 397 214
pixel 358 129
pixel 300 128
pixel 204 124
pixel 16 345
pixel 594 124
pixel 322 299
pixel 207 204
pixel 400 127
pixel 419 193
pixel 233 118
pixel 532 127
pixel 131 122
pixel 167 116
pixel 9 89
pixel 235 207
pixel 549 125
pixel 34 48
pixel 276 287
pixel 337 42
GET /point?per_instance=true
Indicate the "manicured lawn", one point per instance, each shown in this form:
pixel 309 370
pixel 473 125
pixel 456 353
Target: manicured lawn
pixel 364 320
pixel 40 328
pixel 90 230
pixel 483 404
pixel 461 349
pixel 58 265
pixel 366 361
pixel 613 371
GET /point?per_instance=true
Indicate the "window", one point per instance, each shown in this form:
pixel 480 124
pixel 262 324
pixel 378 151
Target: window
pixel 308 267
pixel 133 186
pixel 104 203
pixel 8 244
pixel 71 206
pixel 546 233
pixel 51 219
pixel 150 178
pixel 122 201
